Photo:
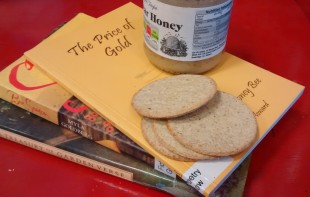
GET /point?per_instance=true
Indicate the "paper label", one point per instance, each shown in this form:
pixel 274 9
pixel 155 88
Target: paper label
pixel 202 173
pixel 186 34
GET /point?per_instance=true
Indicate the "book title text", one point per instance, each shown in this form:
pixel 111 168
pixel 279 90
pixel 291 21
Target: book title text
pixel 102 39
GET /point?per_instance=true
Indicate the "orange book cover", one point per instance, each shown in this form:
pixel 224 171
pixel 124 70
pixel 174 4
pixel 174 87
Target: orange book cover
pixel 110 52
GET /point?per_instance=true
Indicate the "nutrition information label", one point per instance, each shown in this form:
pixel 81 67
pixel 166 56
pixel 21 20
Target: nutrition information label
pixel 210 30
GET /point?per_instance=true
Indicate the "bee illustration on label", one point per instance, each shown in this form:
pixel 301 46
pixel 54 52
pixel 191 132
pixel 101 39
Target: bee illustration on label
pixel 174 46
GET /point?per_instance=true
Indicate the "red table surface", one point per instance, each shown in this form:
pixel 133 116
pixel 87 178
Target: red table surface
pixel 271 34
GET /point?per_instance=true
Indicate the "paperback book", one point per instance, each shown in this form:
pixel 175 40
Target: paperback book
pixel 109 53
pixel 25 128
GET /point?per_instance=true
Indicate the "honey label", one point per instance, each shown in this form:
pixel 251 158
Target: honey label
pixel 186 34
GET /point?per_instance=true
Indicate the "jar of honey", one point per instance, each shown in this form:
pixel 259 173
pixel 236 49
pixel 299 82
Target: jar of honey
pixel 186 36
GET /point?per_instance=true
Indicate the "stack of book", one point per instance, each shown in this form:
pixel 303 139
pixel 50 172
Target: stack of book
pixel 76 89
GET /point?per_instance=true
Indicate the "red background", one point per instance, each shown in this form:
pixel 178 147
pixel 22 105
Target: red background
pixel 271 34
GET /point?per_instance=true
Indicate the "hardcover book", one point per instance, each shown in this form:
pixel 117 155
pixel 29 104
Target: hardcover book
pixel 25 128
pixel 109 53
pixel 27 87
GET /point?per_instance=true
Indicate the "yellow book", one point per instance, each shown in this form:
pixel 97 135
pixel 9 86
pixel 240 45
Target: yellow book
pixel 103 64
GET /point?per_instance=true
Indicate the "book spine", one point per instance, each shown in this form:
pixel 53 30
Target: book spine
pixel 72 115
pixel 66 155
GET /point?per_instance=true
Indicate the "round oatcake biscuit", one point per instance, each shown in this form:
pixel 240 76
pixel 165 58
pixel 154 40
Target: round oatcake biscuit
pixel 150 137
pixel 174 96
pixel 167 140
pixel 224 126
